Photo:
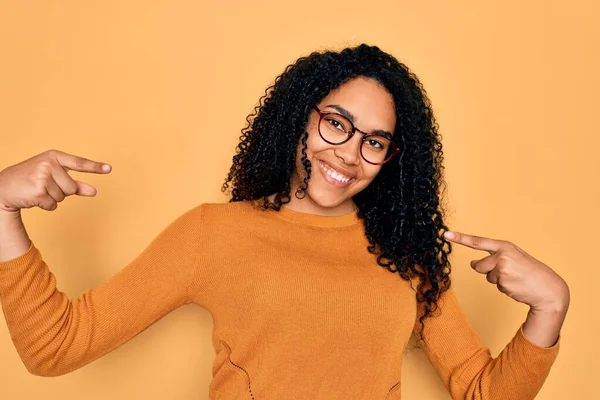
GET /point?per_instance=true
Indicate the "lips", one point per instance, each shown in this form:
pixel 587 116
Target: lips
pixel 339 170
pixel 335 176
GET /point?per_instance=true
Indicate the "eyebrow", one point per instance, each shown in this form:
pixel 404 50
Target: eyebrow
pixel 351 117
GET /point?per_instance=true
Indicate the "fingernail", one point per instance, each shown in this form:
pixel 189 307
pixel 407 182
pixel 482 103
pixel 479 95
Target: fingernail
pixel 449 235
pixel 106 167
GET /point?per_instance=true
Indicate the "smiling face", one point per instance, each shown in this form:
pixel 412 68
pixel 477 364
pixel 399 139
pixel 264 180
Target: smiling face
pixel 338 171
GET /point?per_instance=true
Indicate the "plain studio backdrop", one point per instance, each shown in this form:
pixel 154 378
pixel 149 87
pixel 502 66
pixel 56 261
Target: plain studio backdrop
pixel 161 89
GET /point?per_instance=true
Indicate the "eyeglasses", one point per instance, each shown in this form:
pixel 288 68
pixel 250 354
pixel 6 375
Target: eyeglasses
pixel 375 148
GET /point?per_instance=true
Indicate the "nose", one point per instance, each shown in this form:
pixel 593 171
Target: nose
pixel 349 152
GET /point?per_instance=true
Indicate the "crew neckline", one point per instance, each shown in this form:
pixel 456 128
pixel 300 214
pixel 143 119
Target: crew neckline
pixel 349 219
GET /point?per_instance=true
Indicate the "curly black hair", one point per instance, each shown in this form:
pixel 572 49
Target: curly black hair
pixel 401 207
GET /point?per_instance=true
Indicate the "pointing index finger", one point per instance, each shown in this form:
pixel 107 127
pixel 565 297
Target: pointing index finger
pixel 474 242
pixel 81 164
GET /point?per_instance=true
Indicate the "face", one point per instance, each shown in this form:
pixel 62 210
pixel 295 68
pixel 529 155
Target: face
pixel 372 108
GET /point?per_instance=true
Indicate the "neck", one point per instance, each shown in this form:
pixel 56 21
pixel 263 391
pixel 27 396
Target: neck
pixel 308 206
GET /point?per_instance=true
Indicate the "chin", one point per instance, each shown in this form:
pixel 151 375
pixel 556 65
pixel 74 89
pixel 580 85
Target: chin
pixel 325 199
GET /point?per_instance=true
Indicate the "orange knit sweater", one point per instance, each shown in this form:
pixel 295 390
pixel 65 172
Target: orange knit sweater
pixel 301 310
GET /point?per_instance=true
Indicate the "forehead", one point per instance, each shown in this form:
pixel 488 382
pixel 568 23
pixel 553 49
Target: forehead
pixel 370 103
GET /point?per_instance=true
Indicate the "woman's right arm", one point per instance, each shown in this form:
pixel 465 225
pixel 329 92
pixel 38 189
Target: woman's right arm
pixel 41 181
pixel 54 335
pixel 14 240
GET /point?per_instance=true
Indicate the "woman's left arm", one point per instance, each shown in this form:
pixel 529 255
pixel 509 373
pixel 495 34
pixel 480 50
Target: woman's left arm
pixel 464 364
pixel 524 279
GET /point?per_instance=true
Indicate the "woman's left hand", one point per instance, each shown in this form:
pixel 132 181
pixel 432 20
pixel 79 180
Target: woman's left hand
pixel 516 273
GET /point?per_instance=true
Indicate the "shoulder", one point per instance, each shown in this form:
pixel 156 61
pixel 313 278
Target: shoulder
pixel 230 208
pixel 229 212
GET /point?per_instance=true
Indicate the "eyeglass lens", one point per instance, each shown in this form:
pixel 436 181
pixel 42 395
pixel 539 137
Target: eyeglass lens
pixel 335 129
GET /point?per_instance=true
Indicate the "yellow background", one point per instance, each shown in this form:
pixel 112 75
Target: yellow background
pixel 161 89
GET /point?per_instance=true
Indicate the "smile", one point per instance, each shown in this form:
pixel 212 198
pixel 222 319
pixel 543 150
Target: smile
pixel 334 177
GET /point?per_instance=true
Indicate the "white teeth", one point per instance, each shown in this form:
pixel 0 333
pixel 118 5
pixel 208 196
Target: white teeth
pixel 338 177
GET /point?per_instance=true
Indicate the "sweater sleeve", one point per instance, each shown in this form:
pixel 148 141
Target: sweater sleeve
pixel 54 335
pixel 467 368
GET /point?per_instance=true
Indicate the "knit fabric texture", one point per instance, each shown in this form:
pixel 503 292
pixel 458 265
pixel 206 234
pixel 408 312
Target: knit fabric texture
pixel 301 310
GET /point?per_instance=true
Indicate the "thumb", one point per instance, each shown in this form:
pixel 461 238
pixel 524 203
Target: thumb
pixel 83 189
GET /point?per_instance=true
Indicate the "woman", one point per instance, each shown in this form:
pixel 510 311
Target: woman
pixel 329 255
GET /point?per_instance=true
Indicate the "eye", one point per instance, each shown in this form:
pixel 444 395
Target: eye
pixel 374 143
pixel 335 123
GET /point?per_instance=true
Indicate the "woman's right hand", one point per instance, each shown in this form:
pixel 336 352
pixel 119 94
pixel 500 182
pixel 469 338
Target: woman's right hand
pixel 42 181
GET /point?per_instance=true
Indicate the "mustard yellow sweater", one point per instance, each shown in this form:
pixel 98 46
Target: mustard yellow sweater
pixel 301 311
